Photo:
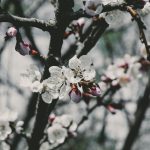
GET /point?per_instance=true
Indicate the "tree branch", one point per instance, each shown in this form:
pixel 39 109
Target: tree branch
pixel 142 107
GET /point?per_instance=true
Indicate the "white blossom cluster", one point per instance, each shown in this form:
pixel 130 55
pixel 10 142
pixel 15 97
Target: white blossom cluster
pixel 63 80
pixel 61 127
pixel 6 116
pixel 122 71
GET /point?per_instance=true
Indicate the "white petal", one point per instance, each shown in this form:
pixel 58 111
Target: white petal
pixel 86 61
pixel 69 74
pixel 36 86
pixel 55 71
pixel 74 63
pixel 89 74
pixel 47 97
pixel 56 134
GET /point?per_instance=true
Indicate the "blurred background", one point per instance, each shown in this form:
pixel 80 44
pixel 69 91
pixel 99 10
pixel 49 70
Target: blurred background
pixel 102 130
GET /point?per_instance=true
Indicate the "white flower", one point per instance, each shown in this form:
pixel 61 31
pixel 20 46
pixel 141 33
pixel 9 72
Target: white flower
pixel 55 86
pixel 31 79
pixel 114 72
pixel 64 120
pixel 5 130
pixel 67 122
pixel 48 96
pixel 36 87
pixel 56 134
pixel 79 69
pixel 8 115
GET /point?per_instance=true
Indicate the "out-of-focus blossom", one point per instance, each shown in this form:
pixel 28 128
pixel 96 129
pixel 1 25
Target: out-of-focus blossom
pixel 67 122
pixel 31 79
pixel 56 134
pixel 6 116
pixel 5 130
pixel 122 71
pixel 64 120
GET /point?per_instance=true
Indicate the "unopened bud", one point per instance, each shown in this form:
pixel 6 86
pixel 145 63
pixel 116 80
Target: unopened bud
pixel 111 109
pixel 11 32
pixel 75 95
pixel 51 118
pixel 96 91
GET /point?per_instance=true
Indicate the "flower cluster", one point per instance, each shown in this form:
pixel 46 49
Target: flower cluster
pixel 61 127
pixel 122 71
pixel 76 80
pixel 6 116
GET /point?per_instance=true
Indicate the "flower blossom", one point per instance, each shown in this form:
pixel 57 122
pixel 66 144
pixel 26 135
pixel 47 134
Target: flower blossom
pixel 57 134
pixel 122 71
pixel 79 69
pixel 6 116
pixel 61 126
pixel 73 80
pixel 55 86
pixel 31 79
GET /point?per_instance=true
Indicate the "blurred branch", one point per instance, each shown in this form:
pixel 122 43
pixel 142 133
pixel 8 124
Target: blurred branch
pixel 100 27
pixel 143 105
pixel 11 85
pixel 141 27
pixel 31 22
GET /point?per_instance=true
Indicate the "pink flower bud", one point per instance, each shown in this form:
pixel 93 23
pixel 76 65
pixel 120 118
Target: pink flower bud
pixel 111 109
pixel 96 91
pixel 51 118
pixel 11 32
pixel 75 95
pixel 81 22
pixel 23 48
